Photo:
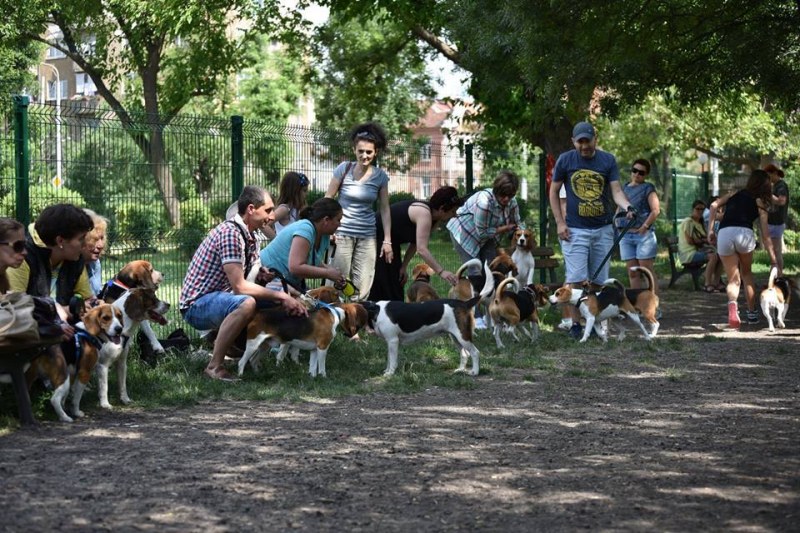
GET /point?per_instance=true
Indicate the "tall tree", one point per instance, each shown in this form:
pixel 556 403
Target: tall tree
pixel 539 66
pixel 176 50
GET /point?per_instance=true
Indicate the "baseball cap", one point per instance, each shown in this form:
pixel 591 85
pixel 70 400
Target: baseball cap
pixel 583 130
pixel 774 168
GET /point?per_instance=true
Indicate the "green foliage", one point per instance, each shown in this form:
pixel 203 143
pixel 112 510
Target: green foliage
pixel 42 196
pixel 400 196
pixel 141 223
pixel 197 219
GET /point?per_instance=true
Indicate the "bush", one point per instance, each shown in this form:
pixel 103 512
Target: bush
pixel 400 196
pixel 791 240
pixel 42 196
pixel 141 223
pixel 197 220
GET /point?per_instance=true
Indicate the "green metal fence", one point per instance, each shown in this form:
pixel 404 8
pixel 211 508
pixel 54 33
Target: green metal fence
pixel 164 185
pixel 686 188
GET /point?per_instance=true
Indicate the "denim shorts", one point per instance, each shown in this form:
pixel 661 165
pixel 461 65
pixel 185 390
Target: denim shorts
pixel 208 311
pixel 733 240
pixel 776 230
pixel 635 246
pixel 584 251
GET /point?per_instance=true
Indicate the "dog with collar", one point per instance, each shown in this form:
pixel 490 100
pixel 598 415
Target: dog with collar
pixel 510 308
pixel 314 332
pixel 522 256
pixel 775 298
pixel 421 289
pixel 597 307
pixel 403 323
pixel 138 306
pixel 645 301
pixel 135 274
pixel 97 334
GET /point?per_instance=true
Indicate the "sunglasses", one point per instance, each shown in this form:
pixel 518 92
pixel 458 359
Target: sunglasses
pixel 639 171
pixel 304 181
pixel 18 246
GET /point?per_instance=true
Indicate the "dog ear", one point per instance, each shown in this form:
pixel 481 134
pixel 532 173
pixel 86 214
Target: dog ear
pixel 91 321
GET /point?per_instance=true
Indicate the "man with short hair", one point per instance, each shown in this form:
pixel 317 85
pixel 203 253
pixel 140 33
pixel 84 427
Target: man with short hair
pixel 215 294
pixel 778 213
pixel 584 228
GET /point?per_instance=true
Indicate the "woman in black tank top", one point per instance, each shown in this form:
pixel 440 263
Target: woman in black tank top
pixel 735 240
pixel 413 221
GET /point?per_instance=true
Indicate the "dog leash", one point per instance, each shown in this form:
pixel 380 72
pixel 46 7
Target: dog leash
pixel 622 233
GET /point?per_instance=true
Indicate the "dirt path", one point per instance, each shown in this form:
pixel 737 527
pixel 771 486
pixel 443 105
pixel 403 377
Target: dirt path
pixel 706 437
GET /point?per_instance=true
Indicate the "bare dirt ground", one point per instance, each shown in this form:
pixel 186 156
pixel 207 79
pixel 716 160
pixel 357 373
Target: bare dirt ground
pixel 707 437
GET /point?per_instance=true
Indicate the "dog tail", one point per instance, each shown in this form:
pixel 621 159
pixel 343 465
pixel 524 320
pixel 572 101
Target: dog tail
pixel 613 282
pixel 772 275
pixel 465 266
pixel 651 282
pixel 502 286
pixel 488 287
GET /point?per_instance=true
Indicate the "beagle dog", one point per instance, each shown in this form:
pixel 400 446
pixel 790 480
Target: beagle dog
pixel 403 323
pixel 314 332
pixel 135 274
pixel 463 289
pixel 645 301
pixel 504 264
pixel 421 289
pixel 775 299
pixel 138 306
pixel 597 307
pixel 524 242
pixel 97 335
pixel 510 308
pixel 326 293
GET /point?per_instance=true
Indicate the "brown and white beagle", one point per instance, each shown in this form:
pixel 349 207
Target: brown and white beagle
pixel 645 301
pixel 403 323
pixel 421 289
pixel 314 332
pixel 510 308
pixel 138 306
pixel 524 242
pixel 96 335
pixel 775 298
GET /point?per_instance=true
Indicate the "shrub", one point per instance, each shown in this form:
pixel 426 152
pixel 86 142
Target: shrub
pixel 42 196
pixel 141 223
pixel 197 220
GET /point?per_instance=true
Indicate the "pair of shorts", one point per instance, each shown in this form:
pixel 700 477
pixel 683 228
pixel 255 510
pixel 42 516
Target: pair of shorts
pixel 585 251
pixel 776 230
pixel 734 239
pixel 208 311
pixel 635 246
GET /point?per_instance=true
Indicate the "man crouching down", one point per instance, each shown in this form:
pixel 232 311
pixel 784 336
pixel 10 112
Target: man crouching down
pixel 215 294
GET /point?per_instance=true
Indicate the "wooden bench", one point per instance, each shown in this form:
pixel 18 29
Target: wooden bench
pixel 695 269
pixel 545 263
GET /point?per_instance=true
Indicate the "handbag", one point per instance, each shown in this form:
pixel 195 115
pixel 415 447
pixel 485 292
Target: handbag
pixel 17 325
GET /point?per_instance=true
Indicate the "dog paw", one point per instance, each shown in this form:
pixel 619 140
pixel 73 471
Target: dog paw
pixel 78 414
pixel 106 405
pixel 65 418
pixel 126 400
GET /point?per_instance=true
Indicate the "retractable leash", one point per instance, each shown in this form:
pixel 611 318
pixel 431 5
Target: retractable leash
pixel 622 233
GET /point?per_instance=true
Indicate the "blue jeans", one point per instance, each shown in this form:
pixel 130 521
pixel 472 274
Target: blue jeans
pixel 635 246
pixel 584 251
pixel 208 311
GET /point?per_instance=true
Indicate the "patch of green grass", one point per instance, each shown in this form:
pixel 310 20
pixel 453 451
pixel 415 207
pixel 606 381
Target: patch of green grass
pixel 674 374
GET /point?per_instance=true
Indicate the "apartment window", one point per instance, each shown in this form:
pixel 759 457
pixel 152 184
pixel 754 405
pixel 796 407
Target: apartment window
pixel 425 152
pixel 84 84
pixel 52 90
pixel 54 53
pixel 426 187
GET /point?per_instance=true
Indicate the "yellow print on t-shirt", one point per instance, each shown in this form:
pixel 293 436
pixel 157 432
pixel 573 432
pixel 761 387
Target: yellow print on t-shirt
pixel 588 187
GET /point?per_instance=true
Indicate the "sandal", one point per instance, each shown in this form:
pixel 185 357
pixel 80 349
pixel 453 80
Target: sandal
pixel 709 288
pixel 219 373
pixel 722 287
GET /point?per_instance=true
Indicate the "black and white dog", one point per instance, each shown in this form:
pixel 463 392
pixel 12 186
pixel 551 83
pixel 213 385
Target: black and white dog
pixel 403 323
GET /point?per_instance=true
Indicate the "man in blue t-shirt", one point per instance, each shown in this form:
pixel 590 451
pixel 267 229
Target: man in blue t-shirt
pixel 585 231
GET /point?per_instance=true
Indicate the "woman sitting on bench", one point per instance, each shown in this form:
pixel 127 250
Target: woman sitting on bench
pixel 693 247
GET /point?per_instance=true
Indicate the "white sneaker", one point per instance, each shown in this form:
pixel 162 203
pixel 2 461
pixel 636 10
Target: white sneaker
pixel 480 323
pixel 565 324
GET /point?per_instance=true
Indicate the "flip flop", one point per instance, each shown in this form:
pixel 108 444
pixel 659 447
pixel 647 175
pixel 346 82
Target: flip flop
pixel 709 288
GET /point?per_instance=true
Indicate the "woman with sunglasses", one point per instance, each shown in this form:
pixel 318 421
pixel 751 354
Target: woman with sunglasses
pixel 359 184
pixel 413 222
pixel 291 199
pixel 638 246
pixel 694 246
pixel 12 248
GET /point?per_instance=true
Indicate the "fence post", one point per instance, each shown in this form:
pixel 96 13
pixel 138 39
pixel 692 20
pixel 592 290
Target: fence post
pixel 22 159
pixel 470 177
pixel 674 202
pixel 237 156
pixel 543 201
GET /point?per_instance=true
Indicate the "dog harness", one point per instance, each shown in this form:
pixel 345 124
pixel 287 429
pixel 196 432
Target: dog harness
pixel 81 335
pixel 113 289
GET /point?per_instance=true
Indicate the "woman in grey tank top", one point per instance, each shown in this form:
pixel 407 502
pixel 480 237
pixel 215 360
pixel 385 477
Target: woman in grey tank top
pixel 359 184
